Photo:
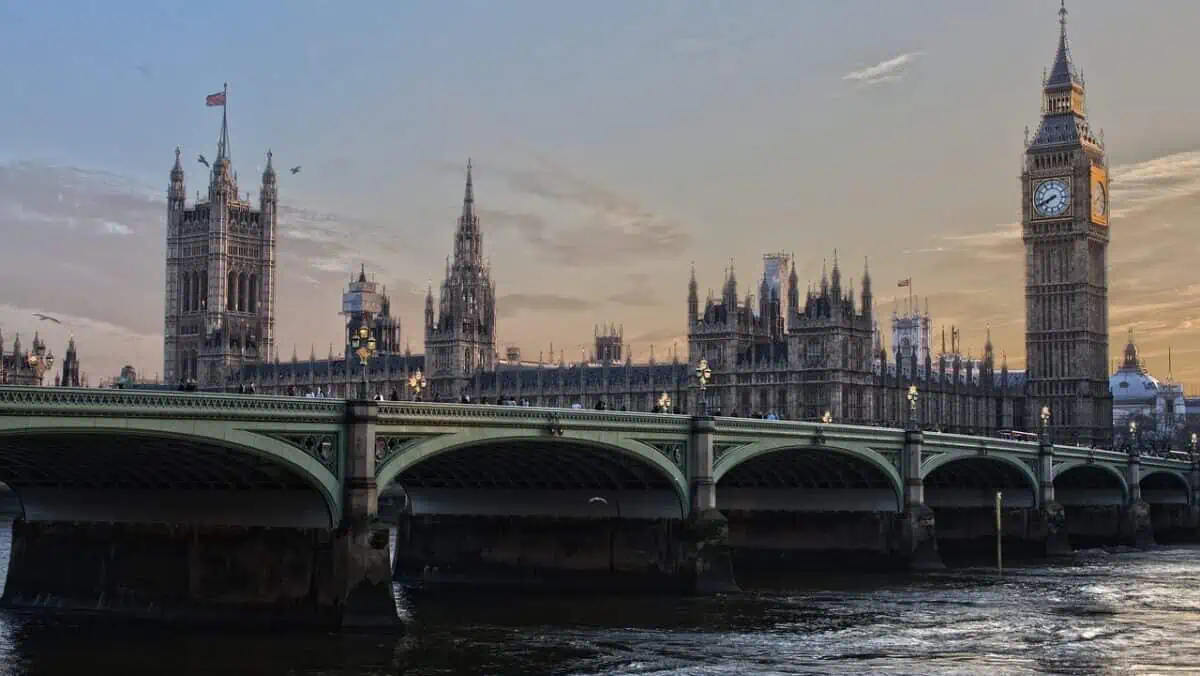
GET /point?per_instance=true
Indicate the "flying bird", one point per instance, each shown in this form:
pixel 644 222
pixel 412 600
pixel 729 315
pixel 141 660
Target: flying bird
pixel 295 170
pixel 203 161
pixel 46 318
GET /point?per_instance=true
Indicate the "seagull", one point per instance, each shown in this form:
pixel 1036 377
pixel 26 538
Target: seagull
pixel 46 318
pixel 295 170
pixel 597 499
pixel 203 161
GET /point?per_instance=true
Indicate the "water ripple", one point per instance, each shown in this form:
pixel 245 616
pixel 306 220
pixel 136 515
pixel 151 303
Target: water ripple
pixel 1103 613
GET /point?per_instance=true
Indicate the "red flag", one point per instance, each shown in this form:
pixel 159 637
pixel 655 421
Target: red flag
pixel 904 282
pixel 217 99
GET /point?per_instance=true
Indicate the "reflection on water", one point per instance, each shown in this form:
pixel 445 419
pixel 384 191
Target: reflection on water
pixel 1102 614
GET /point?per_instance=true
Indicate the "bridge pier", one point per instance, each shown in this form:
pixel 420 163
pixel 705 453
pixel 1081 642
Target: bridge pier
pixel 1051 520
pixel 917 531
pixel 707 559
pixel 1136 524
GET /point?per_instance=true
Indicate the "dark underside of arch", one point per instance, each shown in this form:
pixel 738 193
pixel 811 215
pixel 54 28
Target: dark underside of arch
pixel 806 468
pixel 1088 486
pixel 1164 488
pixel 119 461
pixel 1087 477
pixel 116 477
pixel 971 483
pixel 544 465
pixel 977 473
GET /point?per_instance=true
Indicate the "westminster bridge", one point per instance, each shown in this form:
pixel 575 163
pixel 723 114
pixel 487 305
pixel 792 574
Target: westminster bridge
pixel 215 506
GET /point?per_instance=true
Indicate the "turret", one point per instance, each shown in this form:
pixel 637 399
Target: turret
pixel 693 299
pixel 793 294
pixel 868 300
pixel 176 193
pixel 267 196
pixel 835 285
pixel 729 297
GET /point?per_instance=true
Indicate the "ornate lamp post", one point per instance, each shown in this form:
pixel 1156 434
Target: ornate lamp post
pixel 703 375
pixel 363 344
pixel 664 403
pixel 40 364
pixel 417 383
pixel 827 418
pixel 1133 433
pixel 1045 422
pixel 913 397
pixel 1195 456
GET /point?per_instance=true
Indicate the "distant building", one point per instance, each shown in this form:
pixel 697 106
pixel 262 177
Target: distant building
pixel 27 367
pixel 1138 395
pixel 220 277
pixel 340 374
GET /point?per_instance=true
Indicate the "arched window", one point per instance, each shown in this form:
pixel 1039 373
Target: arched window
pixel 252 301
pixel 231 292
pixel 186 288
pixel 203 291
pixel 241 300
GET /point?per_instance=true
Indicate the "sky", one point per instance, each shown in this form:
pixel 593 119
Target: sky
pixel 614 144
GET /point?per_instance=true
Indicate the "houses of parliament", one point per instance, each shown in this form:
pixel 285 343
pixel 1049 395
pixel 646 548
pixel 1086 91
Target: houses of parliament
pixel 774 349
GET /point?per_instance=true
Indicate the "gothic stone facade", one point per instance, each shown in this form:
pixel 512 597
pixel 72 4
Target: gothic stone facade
pixel 1064 209
pixel 802 361
pixel 461 339
pixel 220 278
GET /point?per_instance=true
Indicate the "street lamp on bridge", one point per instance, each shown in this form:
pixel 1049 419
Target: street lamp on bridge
pixel 1045 422
pixel 363 344
pixel 913 397
pixel 827 417
pixel 417 383
pixel 664 403
pixel 40 364
pixel 703 375
pixel 1133 433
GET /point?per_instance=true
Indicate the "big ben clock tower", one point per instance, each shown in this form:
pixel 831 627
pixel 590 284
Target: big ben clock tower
pixel 1065 227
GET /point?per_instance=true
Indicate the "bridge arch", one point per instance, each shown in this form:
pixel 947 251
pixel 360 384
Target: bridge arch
pixel 1165 486
pixel 151 470
pixel 960 479
pixel 579 464
pixel 860 461
pixel 1081 482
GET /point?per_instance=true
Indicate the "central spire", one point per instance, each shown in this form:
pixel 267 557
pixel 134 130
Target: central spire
pixel 468 246
pixel 1063 72
pixel 223 142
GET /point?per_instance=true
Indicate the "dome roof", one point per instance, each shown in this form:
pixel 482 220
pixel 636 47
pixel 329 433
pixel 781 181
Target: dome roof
pixel 1132 385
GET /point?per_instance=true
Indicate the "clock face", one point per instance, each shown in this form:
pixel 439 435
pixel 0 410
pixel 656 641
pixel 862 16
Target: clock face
pixel 1051 197
pixel 1099 199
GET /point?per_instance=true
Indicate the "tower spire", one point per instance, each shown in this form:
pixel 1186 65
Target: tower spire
pixel 223 143
pixel 1063 73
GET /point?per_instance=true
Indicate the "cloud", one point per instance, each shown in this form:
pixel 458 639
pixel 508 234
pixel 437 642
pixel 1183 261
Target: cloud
pixel 884 71
pixel 111 228
pixel 598 227
pixel 1143 185
pixel 514 303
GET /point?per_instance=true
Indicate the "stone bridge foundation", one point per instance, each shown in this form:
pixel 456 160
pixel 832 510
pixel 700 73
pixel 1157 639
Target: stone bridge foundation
pixel 196 573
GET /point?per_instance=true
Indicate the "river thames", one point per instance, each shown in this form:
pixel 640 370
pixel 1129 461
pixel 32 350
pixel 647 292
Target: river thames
pixel 1103 613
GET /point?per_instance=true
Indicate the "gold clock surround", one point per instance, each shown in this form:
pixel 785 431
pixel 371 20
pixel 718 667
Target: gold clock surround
pixel 1099 183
